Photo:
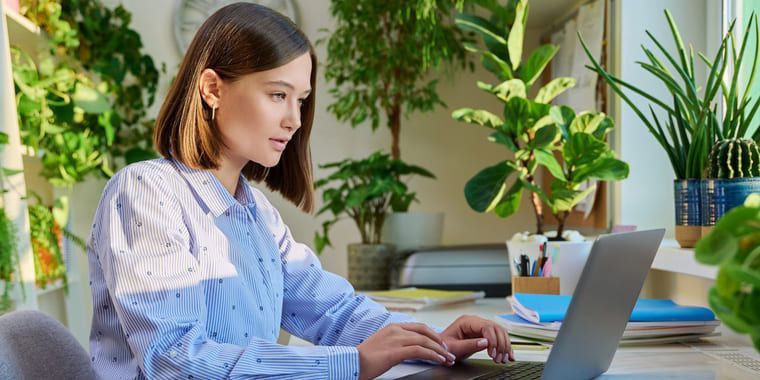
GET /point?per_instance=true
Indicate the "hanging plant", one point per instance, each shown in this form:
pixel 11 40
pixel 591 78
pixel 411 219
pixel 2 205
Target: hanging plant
pixel 47 244
pixel 83 106
pixel 8 241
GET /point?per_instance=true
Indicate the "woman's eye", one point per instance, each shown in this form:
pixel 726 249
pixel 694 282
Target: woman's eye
pixel 278 96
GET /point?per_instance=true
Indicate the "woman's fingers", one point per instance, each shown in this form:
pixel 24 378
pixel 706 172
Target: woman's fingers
pixel 415 339
pixel 418 353
pixel 422 329
pixel 502 352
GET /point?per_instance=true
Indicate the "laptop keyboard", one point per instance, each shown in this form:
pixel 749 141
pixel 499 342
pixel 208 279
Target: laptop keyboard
pixel 518 370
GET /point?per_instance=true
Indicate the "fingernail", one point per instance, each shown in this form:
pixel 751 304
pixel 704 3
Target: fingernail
pixel 504 358
pixel 482 343
pixel 451 357
pixel 493 353
pixel 511 354
pixel 445 346
pixel 441 359
pixel 499 357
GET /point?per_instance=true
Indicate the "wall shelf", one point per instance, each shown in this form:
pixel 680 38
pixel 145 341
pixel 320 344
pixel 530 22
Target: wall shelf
pixel 671 258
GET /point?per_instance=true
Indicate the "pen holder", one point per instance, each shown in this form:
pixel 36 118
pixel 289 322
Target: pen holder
pixel 535 285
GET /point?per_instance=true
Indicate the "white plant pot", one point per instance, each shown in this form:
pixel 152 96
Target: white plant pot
pixel 412 230
pixel 568 259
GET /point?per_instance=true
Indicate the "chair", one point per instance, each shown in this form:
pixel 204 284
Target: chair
pixel 35 346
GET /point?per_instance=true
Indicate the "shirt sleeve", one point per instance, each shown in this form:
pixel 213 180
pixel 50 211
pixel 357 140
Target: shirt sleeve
pixel 319 306
pixel 155 285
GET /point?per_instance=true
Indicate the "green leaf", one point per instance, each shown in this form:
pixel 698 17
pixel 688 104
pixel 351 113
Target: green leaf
pixel 544 136
pixel 485 28
pixel 480 117
pixel 563 116
pixel 536 63
pixel 716 247
pixel 557 86
pixel 547 159
pixel 90 100
pixel 582 148
pixel 485 190
pixel 587 122
pixel 4 138
pixel 603 169
pixel 61 211
pixel 500 137
pixel 510 89
pixel 510 202
pixel 566 199
pixel 516 34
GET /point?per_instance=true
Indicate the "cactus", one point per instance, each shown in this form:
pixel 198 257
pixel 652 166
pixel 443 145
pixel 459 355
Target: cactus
pixel 733 158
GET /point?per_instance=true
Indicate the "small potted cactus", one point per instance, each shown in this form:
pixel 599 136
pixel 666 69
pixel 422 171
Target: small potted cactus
pixel 731 175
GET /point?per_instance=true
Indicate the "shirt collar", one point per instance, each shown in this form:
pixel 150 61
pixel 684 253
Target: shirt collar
pixel 212 192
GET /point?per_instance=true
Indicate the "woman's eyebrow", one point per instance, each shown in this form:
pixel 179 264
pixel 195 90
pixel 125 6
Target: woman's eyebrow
pixel 286 84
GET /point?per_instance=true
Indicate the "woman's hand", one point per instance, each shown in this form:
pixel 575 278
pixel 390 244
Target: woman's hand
pixel 397 342
pixel 469 334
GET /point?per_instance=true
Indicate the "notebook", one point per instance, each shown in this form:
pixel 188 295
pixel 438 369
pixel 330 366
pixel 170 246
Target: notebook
pixel 413 299
pixel 540 308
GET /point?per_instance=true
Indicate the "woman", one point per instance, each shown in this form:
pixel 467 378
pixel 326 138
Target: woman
pixel 193 272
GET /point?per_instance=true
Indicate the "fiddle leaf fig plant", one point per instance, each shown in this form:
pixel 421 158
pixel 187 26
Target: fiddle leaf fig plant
pixel 364 190
pixel 532 129
pixel 734 245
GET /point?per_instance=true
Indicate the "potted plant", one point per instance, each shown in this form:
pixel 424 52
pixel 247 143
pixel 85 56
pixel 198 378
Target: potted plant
pixel 691 126
pixel 733 166
pixel 380 56
pixel 571 147
pixel 734 245
pixel 8 242
pixel 364 190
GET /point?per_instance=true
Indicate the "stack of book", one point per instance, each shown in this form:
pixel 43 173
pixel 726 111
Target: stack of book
pixel 414 299
pixel 539 317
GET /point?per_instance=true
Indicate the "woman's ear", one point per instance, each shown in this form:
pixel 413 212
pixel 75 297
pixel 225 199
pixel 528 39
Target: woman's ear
pixel 210 85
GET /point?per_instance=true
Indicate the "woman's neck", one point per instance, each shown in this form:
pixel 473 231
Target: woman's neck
pixel 228 173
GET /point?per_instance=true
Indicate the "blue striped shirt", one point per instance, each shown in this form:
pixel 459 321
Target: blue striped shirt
pixel 191 282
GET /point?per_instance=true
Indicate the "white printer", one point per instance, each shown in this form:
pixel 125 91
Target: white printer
pixel 467 267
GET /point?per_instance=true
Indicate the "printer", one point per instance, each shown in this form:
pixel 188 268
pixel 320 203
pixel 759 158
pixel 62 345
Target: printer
pixel 467 267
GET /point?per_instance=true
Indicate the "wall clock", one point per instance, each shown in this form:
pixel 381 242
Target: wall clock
pixel 190 14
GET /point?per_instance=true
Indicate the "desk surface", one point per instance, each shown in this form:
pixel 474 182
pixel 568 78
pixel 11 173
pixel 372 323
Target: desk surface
pixel 709 359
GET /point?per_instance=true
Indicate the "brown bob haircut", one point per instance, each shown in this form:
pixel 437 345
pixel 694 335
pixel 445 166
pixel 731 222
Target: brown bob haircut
pixel 236 40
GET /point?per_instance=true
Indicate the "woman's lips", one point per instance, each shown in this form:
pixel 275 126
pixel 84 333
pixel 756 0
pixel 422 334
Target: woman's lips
pixel 278 145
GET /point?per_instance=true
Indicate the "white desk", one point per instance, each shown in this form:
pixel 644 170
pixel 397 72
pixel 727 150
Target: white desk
pixel 680 361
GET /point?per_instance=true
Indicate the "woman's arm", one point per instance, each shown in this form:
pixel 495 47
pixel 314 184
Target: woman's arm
pixel 320 306
pixel 155 285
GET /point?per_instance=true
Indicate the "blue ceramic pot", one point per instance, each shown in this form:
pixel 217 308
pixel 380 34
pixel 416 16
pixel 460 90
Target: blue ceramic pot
pixel 687 202
pixel 721 195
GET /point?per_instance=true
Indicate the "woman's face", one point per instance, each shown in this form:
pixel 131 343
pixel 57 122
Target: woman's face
pixel 261 111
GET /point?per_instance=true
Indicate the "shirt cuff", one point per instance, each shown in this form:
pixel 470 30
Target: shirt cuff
pixel 344 362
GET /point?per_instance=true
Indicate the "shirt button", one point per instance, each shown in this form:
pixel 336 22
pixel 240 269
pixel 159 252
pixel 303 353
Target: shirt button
pixel 173 353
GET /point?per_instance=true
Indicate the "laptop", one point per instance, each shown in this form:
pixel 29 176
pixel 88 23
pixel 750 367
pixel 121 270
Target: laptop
pixel 609 286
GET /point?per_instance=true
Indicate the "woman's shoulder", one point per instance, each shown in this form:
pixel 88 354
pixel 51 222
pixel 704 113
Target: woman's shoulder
pixel 156 172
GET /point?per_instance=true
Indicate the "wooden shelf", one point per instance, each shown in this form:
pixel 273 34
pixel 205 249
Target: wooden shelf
pixel 22 32
pixel 57 285
pixel 671 258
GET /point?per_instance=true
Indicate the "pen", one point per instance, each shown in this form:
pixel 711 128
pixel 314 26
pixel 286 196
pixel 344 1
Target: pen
pixel 524 265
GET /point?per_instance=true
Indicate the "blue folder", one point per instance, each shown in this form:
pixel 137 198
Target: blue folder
pixel 552 308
